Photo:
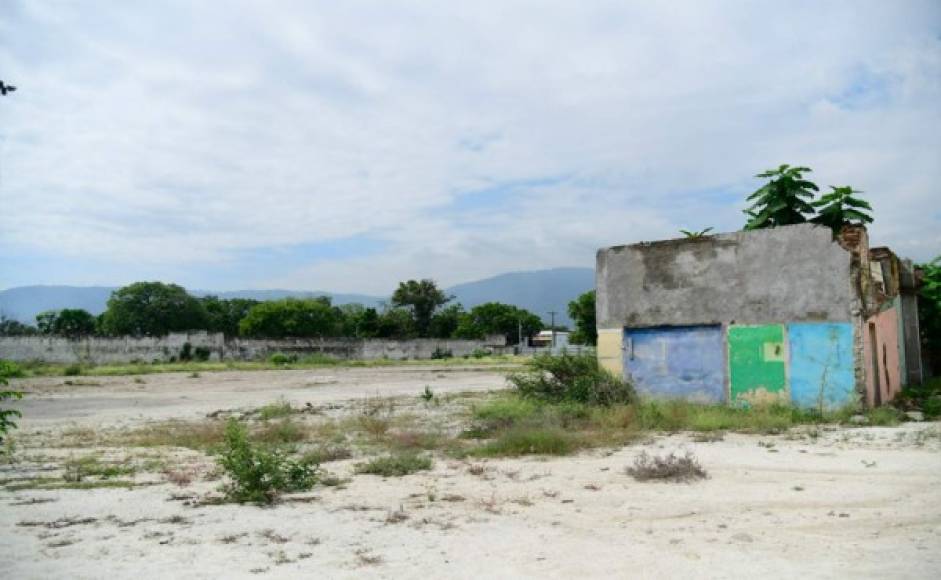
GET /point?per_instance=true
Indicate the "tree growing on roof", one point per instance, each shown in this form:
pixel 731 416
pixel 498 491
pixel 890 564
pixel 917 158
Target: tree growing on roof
pixel 841 208
pixel 784 200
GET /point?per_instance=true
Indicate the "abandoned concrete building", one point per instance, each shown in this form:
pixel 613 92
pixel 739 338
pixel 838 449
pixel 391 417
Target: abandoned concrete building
pixel 787 314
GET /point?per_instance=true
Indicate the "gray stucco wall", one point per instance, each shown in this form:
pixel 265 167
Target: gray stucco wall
pixel 785 274
pixel 145 349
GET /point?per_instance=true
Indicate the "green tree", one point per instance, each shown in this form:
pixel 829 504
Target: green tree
pixel 929 312
pixel 225 315
pixel 784 200
pixel 498 318
pixel 396 323
pixel 152 309
pixel 422 298
pixel 46 322
pixel 841 208
pixel 292 317
pixel 582 312
pixel 445 322
pixel 70 322
pixel 10 327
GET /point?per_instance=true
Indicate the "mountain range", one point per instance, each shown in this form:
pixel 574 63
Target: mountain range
pixel 540 292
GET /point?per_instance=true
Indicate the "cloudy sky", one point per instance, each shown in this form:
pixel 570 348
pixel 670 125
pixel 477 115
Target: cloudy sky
pixel 347 145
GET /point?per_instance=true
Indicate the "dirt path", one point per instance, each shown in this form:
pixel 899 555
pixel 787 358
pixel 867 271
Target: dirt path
pixel 813 503
pixel 105 400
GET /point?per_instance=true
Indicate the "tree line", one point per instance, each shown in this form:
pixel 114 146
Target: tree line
pixel 417 309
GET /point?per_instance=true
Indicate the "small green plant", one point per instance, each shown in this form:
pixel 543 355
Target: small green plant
pixel 73 370
pixel 480 353
pixel 396 465
pixel 276 410
pixel 259 475
pixel 695 235
pixel 201 353
pixel 427 395
pixel 186 353
pixel 573 378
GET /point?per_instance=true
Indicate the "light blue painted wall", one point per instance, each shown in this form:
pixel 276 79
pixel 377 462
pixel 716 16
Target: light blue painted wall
pixel 677 362
pixel 821 364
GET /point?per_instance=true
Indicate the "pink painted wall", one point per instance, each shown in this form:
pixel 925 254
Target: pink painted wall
pixel 886 356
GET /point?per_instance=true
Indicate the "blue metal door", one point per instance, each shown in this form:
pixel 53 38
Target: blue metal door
pixel 685 362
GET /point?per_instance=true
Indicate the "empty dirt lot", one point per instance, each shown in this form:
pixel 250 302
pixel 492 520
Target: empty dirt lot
pixel 821 503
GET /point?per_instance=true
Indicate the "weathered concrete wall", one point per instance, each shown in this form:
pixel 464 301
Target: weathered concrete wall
pixel 787 274
pixel 146 349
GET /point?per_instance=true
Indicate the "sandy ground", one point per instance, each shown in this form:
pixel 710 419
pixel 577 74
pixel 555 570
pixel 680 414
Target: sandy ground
pixel 862 502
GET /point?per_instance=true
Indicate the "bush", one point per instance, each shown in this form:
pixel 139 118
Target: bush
pixel 186 353
pixel 201 353
pixel 573 378
pixel 671 467
pixel 257 474
pixel 480 353
pixel 441 353
pixel 279 358
pixel 72 370
pixel 396 465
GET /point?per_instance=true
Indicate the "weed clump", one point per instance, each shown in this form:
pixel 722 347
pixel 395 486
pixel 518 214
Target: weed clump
pixel 396 465
pixel 257 474
pixel 572 378
pixel 530 441
pixel 669 468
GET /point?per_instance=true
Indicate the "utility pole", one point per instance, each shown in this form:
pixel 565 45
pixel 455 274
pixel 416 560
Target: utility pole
pixel 553 313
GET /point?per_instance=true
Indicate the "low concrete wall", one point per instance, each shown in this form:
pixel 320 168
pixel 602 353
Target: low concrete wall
pixel 98 350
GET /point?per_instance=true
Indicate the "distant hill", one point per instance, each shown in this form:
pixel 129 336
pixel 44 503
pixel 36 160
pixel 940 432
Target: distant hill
pixel 539 292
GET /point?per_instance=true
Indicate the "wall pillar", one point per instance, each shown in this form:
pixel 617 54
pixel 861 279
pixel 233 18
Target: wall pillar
pixel 610 351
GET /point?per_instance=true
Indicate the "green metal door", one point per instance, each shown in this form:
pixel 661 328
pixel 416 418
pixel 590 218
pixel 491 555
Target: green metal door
pixel 756 364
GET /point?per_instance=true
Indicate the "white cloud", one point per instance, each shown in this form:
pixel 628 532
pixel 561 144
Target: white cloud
pixel 166 138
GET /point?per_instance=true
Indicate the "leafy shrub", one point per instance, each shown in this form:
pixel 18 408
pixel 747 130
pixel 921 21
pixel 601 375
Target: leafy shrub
pixel 11 370
pixel 670 468
pixel 201 353
pixel 480 353
pixel 186 353
pixel 441 353
pixel 279 358
pixel 574 378
pixel 257 474
pixel 396 465
pixel 72 370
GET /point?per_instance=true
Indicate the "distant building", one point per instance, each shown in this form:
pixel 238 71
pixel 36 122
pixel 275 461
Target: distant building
pixel 785 314
pixel 544 338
